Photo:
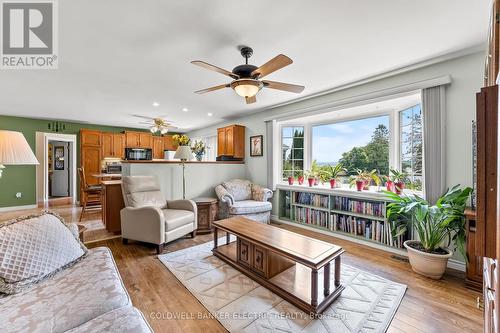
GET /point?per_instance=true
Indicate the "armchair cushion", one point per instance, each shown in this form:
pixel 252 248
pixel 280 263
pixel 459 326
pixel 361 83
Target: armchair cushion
pixel 250 207
pixel 146 199
pixel 260 193
pixel 142 191
pixel 239 189
pixel 223 195
pixel 175 218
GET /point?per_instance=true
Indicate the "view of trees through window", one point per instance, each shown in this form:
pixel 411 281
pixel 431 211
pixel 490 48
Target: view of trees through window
pixel 357 144
pixel 411 144
pixel 292 151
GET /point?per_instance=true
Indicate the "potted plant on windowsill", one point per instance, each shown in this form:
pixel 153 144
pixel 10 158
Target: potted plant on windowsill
pixel 300 177
pixel 437 227
pixel 363 179
pixel 311 177
pixel 334 172
pixel 396 180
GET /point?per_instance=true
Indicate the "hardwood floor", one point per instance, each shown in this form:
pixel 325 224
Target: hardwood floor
pixel 428 305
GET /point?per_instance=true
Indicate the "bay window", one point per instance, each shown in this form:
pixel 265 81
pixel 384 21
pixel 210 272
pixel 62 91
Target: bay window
pixel 292 151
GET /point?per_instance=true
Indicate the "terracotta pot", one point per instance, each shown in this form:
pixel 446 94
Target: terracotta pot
pixel 360 184
pixel 333 182
pixel 389 185
pixel 316 181
pixel 310 181
pixel 301 180
pixel 427 264
pixel 290 180
pixel 399 187
pixel 366 185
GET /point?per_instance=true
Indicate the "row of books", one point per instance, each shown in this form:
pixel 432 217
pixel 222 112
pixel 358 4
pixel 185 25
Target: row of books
pixel 378 231
pixel 312 216
pixel 311 199
pixel 361 207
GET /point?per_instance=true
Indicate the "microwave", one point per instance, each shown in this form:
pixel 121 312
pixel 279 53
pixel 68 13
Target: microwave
pixel 138 154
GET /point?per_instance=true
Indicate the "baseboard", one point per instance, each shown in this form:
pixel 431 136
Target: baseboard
pixel 452 263
pixel 9 209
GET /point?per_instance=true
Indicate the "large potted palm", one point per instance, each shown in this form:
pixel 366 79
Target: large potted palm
pixel 437 227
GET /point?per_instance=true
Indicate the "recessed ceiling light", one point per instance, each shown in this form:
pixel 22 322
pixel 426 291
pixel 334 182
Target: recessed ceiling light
pixel 184 109
pixel 210 114
pixel 155 104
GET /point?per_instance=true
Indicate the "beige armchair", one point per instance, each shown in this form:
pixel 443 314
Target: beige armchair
pixel 148 217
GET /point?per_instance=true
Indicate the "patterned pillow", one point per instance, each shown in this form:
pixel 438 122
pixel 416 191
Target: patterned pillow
pixel 33 248
pixel 240 189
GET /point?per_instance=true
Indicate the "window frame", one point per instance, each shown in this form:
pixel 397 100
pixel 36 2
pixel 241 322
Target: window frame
pixel 400 143
pixel 394 135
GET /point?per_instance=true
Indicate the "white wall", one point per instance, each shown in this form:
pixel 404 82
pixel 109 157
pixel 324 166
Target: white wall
pixel 466 73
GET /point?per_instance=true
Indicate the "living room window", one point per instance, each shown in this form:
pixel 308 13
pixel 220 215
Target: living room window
pixel 410 124
pixel 357 144
pixel 292 151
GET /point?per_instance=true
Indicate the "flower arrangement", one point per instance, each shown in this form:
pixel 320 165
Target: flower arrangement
pixel 198 149
pixel 181 139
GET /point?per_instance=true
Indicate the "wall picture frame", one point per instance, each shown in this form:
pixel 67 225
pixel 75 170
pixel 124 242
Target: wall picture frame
pixel 256 145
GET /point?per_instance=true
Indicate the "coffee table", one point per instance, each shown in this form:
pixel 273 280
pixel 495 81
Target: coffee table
pixel 267 254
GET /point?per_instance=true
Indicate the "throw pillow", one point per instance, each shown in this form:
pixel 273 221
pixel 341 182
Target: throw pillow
pixel 33 248
pixel 240 189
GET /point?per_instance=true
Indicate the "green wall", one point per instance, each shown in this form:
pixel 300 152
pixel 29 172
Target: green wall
pixel 23 178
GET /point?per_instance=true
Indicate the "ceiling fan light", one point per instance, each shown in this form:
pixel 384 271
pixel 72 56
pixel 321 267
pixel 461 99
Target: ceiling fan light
pixel 164 130
pixel 154 129
pixel 246 87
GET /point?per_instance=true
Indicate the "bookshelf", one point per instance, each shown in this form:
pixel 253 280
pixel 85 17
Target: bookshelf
pixel 343 212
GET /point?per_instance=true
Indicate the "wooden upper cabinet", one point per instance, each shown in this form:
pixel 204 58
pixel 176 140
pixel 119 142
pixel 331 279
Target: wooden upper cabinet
pixel 157 147
pixel 231 141
pixel 107 145
pixel 119 145
pixel 90 138
pixel 146 140
pixel 168 143
pixel 132 139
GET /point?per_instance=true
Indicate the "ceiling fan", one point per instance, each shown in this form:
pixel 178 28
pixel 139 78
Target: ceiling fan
pixel 157 125
pixel 247 78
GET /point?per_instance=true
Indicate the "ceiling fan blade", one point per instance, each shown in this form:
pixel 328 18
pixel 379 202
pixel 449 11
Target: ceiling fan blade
pixel 250 100
pixel 214 68
pixel 212 89
pixel 146 123
pixel 272 65
pixel 283 86
pixel 143 117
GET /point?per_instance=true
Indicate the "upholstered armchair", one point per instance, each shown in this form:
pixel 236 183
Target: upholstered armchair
pixel 148 217
pixel 240 197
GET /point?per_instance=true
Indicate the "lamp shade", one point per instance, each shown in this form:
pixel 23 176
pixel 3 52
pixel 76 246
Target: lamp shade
pixel 183 153
pixel 15 150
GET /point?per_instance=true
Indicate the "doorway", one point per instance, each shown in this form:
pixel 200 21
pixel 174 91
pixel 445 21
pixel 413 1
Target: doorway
pixel 56 174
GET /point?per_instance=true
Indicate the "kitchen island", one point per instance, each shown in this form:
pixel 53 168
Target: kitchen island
pixel 201 177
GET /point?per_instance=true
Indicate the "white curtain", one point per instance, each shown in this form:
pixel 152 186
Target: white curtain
pixel 434 138
pixel 271 154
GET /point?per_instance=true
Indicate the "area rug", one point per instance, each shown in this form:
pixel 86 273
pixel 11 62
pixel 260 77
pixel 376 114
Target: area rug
pixel 367 304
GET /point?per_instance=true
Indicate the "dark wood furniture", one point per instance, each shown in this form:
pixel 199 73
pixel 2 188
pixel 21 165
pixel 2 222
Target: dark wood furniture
pixel 231 142
pixel 81 232
pixel 474 270
pixel 207 212
pixel 491 65
pixel 112 205
pixel 91 195
pixel 262 252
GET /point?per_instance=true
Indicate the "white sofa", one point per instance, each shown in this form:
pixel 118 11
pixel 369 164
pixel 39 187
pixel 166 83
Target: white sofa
pixel 239 197
pixel 148 217
pixel 87 297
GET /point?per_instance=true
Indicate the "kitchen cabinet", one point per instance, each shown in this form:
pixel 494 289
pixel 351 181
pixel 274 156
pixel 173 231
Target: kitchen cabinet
pixel 113 145
pixel 168 143
pixel 138 139
pixel 158 147
pixel 90 138
pixel 231 142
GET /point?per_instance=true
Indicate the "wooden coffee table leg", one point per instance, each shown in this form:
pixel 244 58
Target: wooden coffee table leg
pixel 216 237
pixel 326 284
pixel 228 235
pixel 337 271
pixel 314 287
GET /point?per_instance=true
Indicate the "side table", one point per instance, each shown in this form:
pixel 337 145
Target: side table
pixel 207 212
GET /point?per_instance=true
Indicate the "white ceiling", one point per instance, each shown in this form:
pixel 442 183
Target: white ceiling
pixel 117 57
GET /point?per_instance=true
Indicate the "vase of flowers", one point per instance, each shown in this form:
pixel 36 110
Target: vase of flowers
pixel 181 139
pixel 198 148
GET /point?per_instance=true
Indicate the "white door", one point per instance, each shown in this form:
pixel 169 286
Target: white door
pixel 60 170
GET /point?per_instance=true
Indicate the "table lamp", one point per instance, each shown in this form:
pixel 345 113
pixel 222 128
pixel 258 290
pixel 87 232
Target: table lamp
pixel 15 150
pixel 184 154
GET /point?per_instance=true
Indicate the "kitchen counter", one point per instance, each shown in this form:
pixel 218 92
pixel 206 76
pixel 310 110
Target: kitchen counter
pixel 178 161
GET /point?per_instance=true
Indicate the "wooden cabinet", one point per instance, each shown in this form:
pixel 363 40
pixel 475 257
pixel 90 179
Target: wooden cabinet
pixel 207 213
pixel 90 138
pixel 113 145
pixel 474 268
pixel 486 171
pixel 138 140
pixel 168 143
pixel 112 204
pixel 231 142
pixel 157 147
pixel 91 163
